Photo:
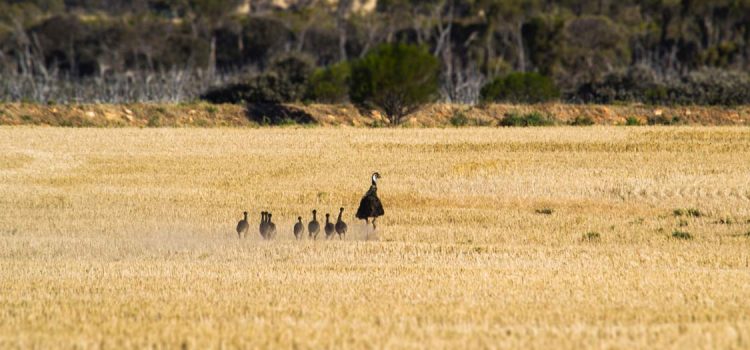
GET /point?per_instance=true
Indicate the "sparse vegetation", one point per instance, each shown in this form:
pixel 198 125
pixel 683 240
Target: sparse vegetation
pixel 726 221
pixel 582 121
pixel 690 212
pixel 545 211
pixel 154 121
pixel 459 119
pixel 591 236
pixel 663 120
pixel 525 120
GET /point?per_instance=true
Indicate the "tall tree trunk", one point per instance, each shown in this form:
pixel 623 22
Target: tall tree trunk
pixel 342 11
pixel 520 47
pixel 212 57
pixel 489 49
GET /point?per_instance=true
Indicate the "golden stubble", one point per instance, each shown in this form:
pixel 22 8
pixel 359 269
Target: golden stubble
pixel 125 238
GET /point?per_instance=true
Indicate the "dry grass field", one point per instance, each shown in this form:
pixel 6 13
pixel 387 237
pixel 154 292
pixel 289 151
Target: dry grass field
pixel 125 238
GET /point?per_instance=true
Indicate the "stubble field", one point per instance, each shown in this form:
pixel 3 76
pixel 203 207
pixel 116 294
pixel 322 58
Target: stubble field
pixel 492 238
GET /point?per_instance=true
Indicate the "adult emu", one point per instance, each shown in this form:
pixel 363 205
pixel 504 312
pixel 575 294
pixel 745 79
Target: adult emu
pixel 370 206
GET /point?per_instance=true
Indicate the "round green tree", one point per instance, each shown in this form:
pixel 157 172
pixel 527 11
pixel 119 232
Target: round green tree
pixel 395 78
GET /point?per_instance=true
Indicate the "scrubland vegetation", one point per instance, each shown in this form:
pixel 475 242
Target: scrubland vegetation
pixel 493 237
pixel 656 52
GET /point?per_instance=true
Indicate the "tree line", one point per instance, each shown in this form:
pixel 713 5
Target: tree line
pixel 604 51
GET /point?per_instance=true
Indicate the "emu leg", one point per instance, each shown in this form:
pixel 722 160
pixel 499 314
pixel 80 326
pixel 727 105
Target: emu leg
pixel 367 231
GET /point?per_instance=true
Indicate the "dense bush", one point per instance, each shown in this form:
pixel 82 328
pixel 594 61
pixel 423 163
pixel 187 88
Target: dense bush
pixel 641 84
pixel 285 81
pixel 232 93
pixel 397 79
pixel 520 88
pixel 330 84
pixel 292 75
pixel 277 114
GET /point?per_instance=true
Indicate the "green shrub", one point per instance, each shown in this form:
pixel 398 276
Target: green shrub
pixel 459 119
pixel 331 84
pixel 530 119
pixel 292 72
pixel 632 121
pixel 398 79
pixel 582 121
pixel 520 88
pixel 682 235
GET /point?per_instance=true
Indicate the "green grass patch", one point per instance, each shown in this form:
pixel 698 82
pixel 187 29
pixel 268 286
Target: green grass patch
pixel 632 121
pixel 682 235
